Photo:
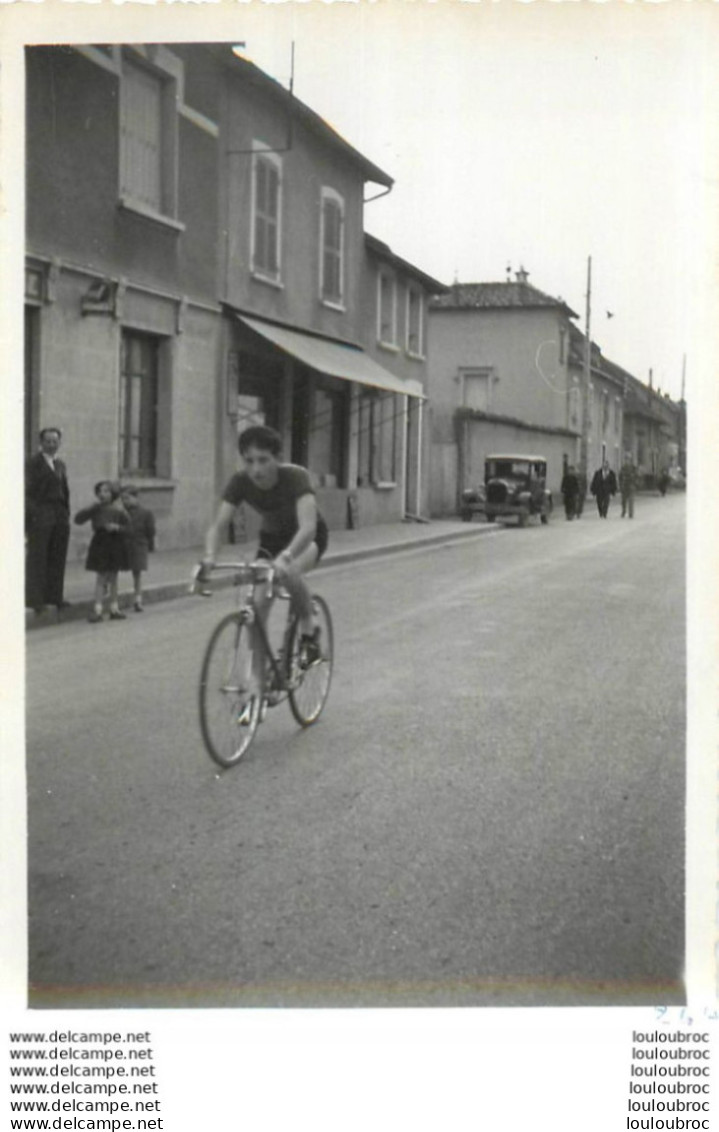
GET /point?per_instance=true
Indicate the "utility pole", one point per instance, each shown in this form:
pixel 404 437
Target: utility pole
pixel 584 462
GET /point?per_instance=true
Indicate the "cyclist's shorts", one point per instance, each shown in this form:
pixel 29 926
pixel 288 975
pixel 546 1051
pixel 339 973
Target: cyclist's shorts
pixel 271 544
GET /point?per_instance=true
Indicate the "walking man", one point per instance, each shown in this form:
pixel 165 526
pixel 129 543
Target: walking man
pixel 570 492
pixel 628 487
pixel 47 524
pixel 603 487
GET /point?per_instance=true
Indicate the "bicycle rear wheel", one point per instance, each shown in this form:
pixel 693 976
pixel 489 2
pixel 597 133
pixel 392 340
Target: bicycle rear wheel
pixel 309 687
pixel 229 711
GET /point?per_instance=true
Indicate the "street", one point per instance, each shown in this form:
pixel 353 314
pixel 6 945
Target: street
pixel 490 811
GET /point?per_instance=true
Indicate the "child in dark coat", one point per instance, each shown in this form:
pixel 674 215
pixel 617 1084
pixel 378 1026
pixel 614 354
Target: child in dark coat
pixel 107 553
pixel 140 540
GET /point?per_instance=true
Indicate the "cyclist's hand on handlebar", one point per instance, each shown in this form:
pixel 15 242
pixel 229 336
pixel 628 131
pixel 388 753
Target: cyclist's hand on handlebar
pixel 282 563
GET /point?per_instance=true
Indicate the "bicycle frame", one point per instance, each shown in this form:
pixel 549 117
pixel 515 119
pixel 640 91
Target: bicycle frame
pixel 230 709
pixel 256 574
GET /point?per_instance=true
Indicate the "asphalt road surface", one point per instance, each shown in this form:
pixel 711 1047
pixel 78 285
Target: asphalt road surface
pixel 490 811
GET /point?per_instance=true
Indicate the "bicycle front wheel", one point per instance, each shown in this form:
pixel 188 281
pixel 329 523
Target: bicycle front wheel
pixel 310 686
pixel 230 701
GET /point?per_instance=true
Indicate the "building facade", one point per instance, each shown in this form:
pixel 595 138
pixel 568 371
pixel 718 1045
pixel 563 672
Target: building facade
pixel 197 261
pixel 500 381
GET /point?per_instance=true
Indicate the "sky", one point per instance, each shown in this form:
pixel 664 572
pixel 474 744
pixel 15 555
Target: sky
pixel 532 135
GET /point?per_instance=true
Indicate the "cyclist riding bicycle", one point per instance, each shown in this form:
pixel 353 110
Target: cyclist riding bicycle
pixel 293 534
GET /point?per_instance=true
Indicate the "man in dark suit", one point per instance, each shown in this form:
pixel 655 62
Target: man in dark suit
pixel 603 487
pixel 47 524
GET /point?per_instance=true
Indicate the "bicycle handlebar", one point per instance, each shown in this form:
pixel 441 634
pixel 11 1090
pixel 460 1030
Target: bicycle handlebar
pixel 248 573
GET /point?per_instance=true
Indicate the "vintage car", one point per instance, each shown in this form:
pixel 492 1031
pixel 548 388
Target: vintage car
pixel 513 485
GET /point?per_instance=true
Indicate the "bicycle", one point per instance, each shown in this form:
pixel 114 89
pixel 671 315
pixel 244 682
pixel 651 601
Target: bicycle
pixel 231 703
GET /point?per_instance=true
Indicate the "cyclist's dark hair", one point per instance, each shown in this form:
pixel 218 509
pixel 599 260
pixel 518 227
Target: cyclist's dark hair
pixel 50 428
pixel 260 436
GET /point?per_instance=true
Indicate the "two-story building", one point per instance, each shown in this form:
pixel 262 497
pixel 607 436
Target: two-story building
pixel 602 423
pixel 197 260
pixel 500 381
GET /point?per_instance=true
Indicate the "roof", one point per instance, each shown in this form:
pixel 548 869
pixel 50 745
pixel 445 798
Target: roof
pixel 498 296
pixel 252 74
pixel 384 251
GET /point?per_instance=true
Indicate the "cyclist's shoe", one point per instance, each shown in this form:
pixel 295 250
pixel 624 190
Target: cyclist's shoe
pixel 310 651
pixel 244 716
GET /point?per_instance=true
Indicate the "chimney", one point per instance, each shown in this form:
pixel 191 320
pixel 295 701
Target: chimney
pixel 522 276
pixel 651 380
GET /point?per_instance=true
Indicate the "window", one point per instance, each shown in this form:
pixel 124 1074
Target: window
pixel 332 248
pixel 266 211
pixel 605 410
pixel 590 406
pixel 138 404
pixel 575 408
pixel 387 309
pixel 148 138
pixel 415 327
pixel 617 414
pixel 325 441
pixel 476 390
pixel 377 439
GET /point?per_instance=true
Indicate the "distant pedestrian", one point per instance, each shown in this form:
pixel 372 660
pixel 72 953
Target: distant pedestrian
pixel 603 487
pixel 140 540
pixel 107 553
pixel 570 492
pixel 663 482
pixel 627 486
pixel 47 524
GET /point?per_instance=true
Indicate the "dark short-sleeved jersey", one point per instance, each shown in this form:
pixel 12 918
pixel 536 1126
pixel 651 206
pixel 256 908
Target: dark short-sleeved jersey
pixel 276 505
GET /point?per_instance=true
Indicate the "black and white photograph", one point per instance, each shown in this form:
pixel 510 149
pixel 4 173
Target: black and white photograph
pixel 361 410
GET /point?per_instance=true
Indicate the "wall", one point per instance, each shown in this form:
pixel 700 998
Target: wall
pixel 72 126
pixel 527 385
pixel 484 438
pixel 80 362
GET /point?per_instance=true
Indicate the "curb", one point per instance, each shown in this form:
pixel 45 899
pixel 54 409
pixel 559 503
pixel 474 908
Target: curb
pixel 169 591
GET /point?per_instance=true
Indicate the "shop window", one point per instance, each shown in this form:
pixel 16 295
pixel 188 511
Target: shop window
pixel 266 214
pixel 332 248
pixel 138 410
pixel 377 447
pixel 325 442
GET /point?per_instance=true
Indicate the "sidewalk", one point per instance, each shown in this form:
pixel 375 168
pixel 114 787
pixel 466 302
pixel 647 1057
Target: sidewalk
pixel 169 573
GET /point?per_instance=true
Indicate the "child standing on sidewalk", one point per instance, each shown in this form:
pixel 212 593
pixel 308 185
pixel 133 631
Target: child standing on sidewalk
pixel 107 553
pixel 140 540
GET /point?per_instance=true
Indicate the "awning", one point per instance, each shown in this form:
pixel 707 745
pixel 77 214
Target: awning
pixel 332 358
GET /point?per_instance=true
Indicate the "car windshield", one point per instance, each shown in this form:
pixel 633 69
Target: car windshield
pixel 507 469
pixel 515 469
